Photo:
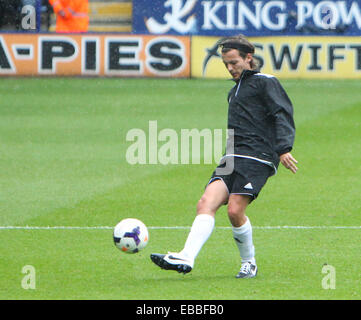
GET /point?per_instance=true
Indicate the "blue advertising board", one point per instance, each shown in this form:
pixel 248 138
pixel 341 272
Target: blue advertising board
pixel 252 18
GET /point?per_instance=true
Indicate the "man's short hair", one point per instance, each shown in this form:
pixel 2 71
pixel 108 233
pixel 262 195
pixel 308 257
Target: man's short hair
pixel 241 44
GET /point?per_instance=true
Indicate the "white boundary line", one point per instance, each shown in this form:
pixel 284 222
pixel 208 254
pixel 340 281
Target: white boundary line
pixel 165 227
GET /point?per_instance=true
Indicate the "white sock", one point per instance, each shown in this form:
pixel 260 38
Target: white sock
pixel 202 228
pixel 243 238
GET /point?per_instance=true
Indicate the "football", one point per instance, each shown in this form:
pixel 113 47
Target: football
pixel 130 235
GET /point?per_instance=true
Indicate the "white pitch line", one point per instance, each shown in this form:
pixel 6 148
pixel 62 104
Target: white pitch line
pixel 167 227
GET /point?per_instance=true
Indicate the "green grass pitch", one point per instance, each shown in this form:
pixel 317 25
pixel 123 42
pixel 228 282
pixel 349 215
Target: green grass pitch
pixel 62 163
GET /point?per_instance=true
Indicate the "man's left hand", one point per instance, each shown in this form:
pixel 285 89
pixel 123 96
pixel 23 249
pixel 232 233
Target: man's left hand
pixel 289 161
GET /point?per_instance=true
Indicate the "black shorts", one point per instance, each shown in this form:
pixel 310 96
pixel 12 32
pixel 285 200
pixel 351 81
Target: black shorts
pixel 247 178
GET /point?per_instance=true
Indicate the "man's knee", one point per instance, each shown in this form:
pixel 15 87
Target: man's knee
pixel 208 205
pixel 203 205
pixel 237 209
pixel 215 196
